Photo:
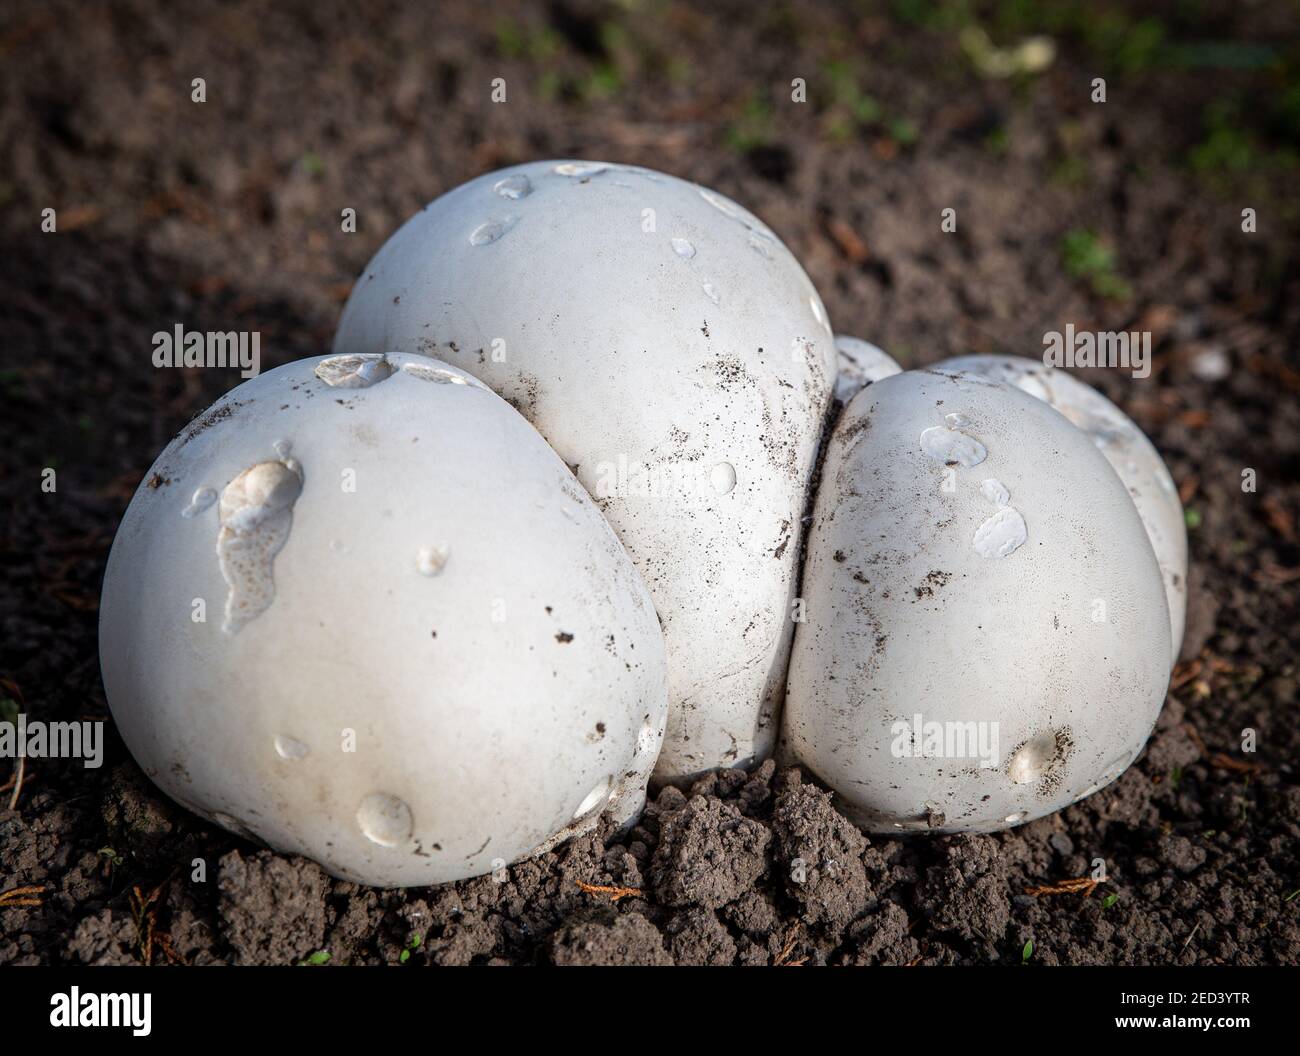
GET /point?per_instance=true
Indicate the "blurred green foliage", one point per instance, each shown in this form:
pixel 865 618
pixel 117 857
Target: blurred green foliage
pixel 1086 257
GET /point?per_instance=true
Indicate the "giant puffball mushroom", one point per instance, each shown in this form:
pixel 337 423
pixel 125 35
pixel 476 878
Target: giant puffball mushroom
pixel 361 612
pixel 987 636
pixel 860 363
pixel 673 352
pixel 1132 456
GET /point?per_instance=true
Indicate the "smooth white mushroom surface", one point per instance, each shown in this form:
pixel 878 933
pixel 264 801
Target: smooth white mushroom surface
pixel 1133 457
pixel 987 638
pixel 673 352
pixel 360 611
pixel 860 363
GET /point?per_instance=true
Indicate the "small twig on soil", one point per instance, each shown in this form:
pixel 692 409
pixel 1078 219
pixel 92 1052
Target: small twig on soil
pixel 20 768
pixel 143 916
pixel 26 781
pixel 847 241
pixel 1225 762
pixel 1085 884
pixel 169 949
pixel 1268 367
pixel 1190 937
pixel 1219 665
pixel 1271 572
pixel 1279 518
pixel 1184 673
pixel 76 602
pixel 19 773
pixel 783 958
pixel 21 896
pixel 144 910
pixel 614 893
pixel 1220 760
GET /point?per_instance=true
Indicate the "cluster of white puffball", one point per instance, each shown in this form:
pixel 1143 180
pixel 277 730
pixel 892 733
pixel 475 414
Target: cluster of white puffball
pixel 530 538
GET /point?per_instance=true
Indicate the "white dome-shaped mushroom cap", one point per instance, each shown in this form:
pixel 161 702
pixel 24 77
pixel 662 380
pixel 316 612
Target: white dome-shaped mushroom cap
pixel 1126 448
pixel 368 616
pixel 673 352
pixel 975 573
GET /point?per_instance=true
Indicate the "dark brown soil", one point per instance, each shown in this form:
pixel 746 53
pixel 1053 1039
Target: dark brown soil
pixel 225 215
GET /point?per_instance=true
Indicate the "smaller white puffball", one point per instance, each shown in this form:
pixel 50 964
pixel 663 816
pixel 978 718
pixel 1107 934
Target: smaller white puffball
pixel 860 363
pixel 1131 455
pixel 986 637
pixel 430 656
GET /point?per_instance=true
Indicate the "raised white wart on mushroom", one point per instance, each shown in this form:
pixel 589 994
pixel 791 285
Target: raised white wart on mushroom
pixel 353 372
pixel 255 515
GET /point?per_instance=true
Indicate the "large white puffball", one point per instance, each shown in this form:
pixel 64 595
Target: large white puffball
pixel 987 638
pixel 360 611
pixel 672 351
pixel 1132 456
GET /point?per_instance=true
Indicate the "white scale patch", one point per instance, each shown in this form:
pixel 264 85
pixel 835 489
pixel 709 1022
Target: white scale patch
pixel 255 513
pixel 353 372
pixel 1003 533
pixel 952 447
